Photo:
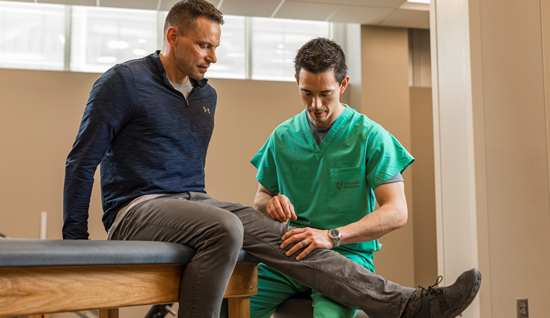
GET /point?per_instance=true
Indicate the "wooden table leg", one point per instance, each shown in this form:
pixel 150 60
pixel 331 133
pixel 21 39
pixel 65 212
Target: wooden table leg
pixel 108 313
pixel 239 307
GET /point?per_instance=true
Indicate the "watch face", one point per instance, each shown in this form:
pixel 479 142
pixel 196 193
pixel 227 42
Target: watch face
pixel 334 233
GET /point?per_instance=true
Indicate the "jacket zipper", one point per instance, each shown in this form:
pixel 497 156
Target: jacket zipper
pixel 189 109
pixel 189 115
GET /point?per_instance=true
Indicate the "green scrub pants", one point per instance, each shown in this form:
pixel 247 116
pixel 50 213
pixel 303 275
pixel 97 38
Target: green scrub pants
pixel 275 287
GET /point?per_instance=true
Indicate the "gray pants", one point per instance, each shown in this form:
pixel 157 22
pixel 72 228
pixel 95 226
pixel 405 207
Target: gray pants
pixel 217 230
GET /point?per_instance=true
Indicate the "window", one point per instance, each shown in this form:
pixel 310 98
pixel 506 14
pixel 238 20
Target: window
pixel 102 37
pixel 231 52
pixel 275 43
pixel 32 36
pixel 93 39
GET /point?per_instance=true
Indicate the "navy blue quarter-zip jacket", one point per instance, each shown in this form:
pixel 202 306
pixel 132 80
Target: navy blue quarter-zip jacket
pixel 144 134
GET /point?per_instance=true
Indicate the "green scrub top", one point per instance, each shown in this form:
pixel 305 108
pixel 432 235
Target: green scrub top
pixel 331 184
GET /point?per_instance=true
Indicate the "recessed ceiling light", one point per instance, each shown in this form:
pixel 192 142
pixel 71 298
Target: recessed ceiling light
pixel 123 45
pixel 420 5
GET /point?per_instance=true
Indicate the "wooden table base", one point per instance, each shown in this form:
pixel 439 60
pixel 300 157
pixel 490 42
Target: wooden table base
pixel 39 290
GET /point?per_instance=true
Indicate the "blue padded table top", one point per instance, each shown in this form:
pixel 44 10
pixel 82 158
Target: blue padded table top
pixel 244 257
pixel 40 253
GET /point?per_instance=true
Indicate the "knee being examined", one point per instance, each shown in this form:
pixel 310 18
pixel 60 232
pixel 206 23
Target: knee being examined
pixel 231 230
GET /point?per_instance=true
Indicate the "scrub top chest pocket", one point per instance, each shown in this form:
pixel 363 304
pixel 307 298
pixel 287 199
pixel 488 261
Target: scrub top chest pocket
pixel 347 190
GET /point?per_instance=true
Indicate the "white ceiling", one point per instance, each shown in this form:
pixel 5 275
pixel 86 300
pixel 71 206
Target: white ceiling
pixel 396 13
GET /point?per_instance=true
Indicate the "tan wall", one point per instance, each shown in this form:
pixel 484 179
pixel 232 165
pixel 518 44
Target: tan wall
pixel 423 187
pixel 385 99
pixel 39 117
pixel 246 114
pixel 492 64
pixel 516 150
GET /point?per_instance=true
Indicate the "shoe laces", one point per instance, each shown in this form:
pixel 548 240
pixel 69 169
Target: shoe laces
pixel 432 288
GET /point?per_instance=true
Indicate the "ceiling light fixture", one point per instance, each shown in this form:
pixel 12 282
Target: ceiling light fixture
pixel 419 5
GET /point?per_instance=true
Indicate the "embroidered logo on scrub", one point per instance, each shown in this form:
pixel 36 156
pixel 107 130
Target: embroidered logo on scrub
pixel 346 185
pixel 206 110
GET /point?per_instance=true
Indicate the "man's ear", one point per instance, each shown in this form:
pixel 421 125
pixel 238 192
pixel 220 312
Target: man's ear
pixel 344 85
pixel 172 35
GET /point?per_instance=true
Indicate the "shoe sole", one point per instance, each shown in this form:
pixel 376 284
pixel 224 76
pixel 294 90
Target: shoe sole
pixel 472 296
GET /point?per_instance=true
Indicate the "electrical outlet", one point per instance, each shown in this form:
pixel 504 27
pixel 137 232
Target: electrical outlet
pixel 522 307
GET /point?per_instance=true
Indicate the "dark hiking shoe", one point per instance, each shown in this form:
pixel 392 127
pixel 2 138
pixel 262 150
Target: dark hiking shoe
pixel 444 302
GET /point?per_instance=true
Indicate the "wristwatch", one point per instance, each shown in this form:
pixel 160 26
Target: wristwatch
pixel 334 235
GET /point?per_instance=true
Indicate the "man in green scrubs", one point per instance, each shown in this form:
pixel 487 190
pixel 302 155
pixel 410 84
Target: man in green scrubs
pixel 322 171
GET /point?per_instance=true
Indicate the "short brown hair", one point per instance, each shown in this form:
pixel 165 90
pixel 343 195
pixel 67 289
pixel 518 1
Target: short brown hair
pixel 183 15
pixel 320 55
